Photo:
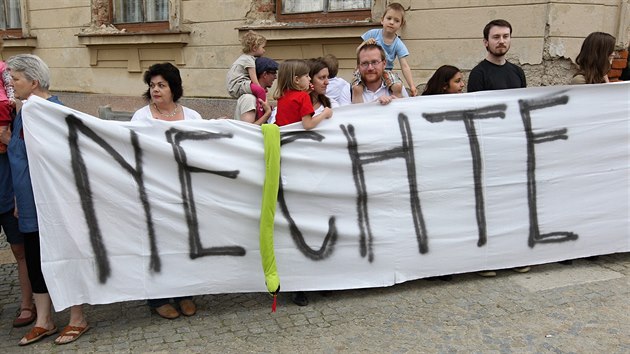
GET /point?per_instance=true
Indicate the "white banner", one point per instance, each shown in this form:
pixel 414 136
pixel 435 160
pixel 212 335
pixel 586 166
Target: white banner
pixel 375 196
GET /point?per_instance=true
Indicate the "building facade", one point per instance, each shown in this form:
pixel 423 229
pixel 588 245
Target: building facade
pixel 97 50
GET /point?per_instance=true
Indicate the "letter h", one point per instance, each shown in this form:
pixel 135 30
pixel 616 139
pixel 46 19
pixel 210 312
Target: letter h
pixel 406 152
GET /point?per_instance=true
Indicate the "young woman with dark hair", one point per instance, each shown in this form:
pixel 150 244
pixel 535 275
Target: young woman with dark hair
pixel 446 79
pixel 163 93
pixel 595 58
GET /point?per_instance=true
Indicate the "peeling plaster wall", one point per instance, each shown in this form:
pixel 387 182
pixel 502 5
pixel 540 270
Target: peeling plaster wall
pixel 100 12
pixel 261 10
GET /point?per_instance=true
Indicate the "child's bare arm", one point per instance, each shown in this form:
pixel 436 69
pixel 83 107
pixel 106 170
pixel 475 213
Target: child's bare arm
pixel 252 76
pixel 267 107
pixel 309 121
pixel 406 70
pixel 357 94
pixel 250 116
pixel 5 135
pixel 367 41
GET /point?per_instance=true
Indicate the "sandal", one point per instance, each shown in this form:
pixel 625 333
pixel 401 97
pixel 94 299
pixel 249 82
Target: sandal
pixel 71 331
pixel 35 334
pixel 24 321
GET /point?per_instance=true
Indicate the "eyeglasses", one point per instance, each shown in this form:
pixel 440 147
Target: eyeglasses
pixel 366 64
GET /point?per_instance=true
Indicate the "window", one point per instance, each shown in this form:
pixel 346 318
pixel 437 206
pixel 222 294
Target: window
pixel 152 32
pixel 133 11
pixel 10 17
pixel 140 15
pixel 323 10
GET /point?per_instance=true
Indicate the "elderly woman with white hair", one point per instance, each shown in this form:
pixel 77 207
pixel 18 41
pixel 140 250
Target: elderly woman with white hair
pixel 30 77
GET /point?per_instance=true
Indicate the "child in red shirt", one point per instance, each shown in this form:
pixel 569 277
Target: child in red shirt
pixel 294 102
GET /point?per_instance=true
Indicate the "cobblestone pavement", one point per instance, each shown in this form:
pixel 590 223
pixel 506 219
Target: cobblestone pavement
pixel 581 308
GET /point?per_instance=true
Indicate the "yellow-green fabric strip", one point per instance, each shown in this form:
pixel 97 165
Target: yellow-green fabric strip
pixel 271 137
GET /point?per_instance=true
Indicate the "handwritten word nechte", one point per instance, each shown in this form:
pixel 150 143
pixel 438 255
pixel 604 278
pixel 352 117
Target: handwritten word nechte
pixel 358 160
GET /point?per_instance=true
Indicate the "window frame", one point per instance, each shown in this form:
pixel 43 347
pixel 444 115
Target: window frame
pixel 17 32
pixel 330 17
pixel 154 26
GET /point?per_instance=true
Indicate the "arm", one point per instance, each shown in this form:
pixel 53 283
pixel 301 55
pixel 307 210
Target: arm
pixel 344 96
pixel 475 81
pixel 366 40
pixel 365 36
pixel 385 100
pixel 406 70
pixel 309 121
pixel 357 93
pixel 369 34
pixel 252 75
pixel 250 116
pixel 5 135
pixel 140 114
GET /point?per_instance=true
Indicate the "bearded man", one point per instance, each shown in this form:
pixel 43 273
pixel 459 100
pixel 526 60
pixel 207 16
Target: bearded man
pixel 495 72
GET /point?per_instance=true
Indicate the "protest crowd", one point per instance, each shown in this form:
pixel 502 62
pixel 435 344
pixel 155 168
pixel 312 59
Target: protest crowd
pixel 307 92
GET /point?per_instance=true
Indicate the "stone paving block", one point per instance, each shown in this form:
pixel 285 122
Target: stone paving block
pixel 552 308
pixel 565 276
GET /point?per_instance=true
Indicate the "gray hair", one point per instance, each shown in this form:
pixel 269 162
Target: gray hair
pixel 33 68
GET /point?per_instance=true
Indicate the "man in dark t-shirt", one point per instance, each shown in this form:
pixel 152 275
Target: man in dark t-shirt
pixel 495 72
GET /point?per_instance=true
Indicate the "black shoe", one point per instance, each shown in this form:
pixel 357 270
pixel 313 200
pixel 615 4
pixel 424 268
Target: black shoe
pixel 299 298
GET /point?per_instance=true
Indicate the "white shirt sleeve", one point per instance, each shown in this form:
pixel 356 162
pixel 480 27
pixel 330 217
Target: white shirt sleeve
pixel 191 114
pixel 143 113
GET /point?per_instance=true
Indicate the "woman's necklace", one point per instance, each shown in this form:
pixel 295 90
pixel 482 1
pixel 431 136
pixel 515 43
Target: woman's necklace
pixel 167 115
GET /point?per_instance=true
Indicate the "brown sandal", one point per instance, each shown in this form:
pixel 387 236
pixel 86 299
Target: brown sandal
pixel 24 321
pixel 37 333
pixel 73 332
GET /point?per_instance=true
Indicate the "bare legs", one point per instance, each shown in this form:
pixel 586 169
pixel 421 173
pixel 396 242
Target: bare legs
pixel 397 89
pixel 25 284
pixel 357 93
pixel 44 311
pixel 77 319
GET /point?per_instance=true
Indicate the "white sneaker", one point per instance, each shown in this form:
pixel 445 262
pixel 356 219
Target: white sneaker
pixel 487 273
pixel 521 269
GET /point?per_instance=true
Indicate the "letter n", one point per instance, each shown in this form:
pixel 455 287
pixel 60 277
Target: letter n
pixel 82 181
